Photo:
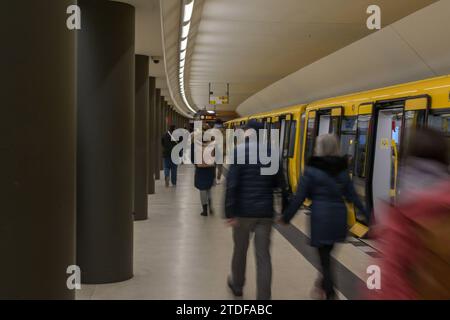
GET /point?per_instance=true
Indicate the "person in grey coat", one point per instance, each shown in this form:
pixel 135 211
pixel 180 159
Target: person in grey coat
pixel 327 183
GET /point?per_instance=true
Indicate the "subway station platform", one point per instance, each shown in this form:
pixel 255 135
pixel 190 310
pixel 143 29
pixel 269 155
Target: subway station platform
pixel 92 101
pixel 179 254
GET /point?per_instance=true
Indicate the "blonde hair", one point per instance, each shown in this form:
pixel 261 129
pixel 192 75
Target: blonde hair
pixel 327 145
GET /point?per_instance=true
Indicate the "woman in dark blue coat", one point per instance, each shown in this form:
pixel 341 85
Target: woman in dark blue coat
pixel 327 183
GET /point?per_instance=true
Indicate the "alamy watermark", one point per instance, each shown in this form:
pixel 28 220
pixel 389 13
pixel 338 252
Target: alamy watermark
pixel 231 146
pixel 374 280
pixel 74 279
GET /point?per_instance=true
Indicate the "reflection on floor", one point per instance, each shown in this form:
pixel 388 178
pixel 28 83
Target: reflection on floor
pixel 180 255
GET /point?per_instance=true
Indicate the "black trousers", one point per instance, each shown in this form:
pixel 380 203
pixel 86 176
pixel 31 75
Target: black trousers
pixel 325 262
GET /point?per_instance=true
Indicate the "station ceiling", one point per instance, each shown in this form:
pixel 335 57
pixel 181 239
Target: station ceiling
pixel 250 44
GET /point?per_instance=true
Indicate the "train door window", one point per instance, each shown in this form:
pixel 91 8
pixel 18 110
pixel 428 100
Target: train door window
pixel 266 132
pixel 284 142
pixel 329 121
pixel 292 133
pixel 348 136
pixel 413 119
pixel 284 124
pixel 302 134
pixel 361 155
pixel 324 124
pixel 310 135
pixel 440 121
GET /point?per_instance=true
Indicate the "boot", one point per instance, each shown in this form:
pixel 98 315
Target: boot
pixel 167 182
pixel 205 210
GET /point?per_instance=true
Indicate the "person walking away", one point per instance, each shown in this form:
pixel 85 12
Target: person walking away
pixel 219 166
pixel 204 176
pixel 327 183
pixel 416 232
pixel 170 168
pixel 249 209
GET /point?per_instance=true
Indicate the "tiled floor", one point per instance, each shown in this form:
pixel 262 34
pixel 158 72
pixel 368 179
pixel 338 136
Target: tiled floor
pixel 182 255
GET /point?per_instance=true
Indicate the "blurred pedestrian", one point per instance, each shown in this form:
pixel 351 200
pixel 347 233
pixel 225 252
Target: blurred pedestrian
pixel 219 166
pixel 327 183
pixel 204 174
pixel 249 208
pixel 170 168
pixel 415 238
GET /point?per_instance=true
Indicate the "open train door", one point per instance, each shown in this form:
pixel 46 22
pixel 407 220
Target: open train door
pixel 394 121
pixel 361 169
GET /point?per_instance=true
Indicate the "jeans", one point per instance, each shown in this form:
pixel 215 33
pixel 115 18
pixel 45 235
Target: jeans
pixel 170 170
pixel 262 228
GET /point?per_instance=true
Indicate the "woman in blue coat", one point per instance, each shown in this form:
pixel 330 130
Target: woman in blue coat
pixel 327 183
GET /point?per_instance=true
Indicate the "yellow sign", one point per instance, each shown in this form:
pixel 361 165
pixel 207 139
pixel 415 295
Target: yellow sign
pixel 384 143
pixel 218 100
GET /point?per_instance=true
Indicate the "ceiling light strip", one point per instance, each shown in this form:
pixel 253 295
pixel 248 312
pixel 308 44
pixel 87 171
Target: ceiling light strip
pixel 186 24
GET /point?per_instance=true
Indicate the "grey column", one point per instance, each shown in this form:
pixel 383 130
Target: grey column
pixel 157 154
pixel 37 147
pixel 106 89
pixel 151 135
pixel 141 121
pixel 164 125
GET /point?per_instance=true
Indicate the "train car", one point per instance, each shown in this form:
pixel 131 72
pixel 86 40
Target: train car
pixel 374 128
pixel 236 123
pixel 288 121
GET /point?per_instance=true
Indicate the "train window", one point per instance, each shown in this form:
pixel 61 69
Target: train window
pixel 284 138
pixel 302 131
pixel 334 125
pixel 362 146
pixel 413 120
pixel 348 136
pixel 310 137
pixel 441 122
pixel 292 132
pixel 361 155
pixel 267 126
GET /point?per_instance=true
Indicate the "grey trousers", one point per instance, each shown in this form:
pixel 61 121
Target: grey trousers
pixel 205 196
pixel 262 228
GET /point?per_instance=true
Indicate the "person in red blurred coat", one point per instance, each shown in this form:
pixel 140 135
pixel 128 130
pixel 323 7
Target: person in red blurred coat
pixel 416 234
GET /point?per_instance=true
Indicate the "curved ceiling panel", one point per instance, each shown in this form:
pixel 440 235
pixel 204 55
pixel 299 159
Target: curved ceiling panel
pixel 410 49
pixel 253 43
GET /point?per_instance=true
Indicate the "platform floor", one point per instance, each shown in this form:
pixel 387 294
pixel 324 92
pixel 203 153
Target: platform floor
pixel 179 254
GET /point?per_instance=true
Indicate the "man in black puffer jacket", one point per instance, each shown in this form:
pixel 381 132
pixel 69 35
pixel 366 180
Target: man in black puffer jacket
pixel 249 208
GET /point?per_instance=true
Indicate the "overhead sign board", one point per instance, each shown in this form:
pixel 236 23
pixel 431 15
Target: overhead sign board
pixel 219 95
pixel 218 100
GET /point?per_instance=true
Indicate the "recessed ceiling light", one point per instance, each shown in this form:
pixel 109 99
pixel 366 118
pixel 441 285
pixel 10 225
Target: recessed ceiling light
pixel 188 9
pixel 185 30
pixel 183 45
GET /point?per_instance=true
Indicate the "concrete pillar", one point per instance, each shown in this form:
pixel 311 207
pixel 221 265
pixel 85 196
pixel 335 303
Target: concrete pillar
pixel 157 154
pixel 151 135
pixel 37 147
pixel 141 122
pixel 106 89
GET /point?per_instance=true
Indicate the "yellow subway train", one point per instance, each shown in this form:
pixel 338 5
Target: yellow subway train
pixel 373 127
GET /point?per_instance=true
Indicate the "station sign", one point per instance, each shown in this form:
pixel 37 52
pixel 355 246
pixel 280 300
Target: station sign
pixel 218 100
pixel 219 94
